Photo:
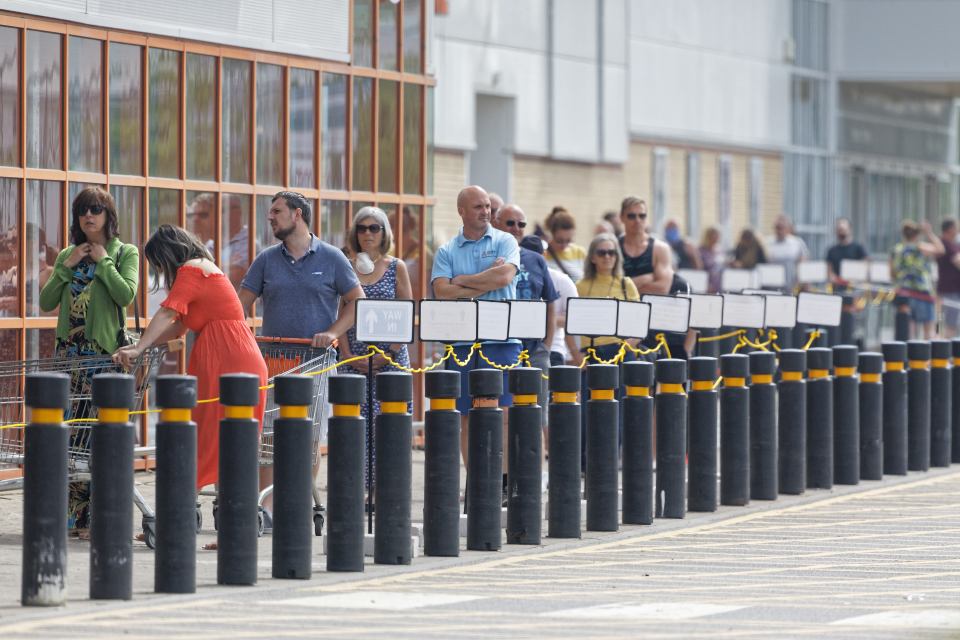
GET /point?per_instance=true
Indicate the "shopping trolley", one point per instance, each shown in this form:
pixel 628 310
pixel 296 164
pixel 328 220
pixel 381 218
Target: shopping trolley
pixel 80 416
pixel 293 356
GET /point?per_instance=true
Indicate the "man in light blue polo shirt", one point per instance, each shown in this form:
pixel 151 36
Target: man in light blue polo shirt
pixel 480 262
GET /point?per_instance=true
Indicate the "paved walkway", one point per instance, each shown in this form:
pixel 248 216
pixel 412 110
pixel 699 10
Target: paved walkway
pixel 881 560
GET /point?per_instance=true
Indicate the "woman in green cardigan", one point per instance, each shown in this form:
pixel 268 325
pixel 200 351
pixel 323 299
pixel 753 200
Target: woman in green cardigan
pixel 93 282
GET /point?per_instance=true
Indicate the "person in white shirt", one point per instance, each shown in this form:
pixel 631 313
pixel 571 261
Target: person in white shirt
pixel 786 248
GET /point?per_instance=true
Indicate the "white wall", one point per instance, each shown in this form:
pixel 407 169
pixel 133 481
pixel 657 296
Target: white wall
pixel 318 28
pixel 710 71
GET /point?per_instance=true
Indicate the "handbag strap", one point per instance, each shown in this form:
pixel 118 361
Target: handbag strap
pixel 553 254
pixel 136 303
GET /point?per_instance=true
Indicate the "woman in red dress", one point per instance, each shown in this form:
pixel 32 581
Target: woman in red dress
pixel 203 300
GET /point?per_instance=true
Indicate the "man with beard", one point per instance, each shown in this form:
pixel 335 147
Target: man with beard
pixel 301 280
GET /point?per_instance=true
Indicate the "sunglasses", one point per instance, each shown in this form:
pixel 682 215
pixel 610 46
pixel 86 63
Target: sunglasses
pixel 634 216
pixel 605 253
pixel 511 223
pixel 93 210
pixel 372 228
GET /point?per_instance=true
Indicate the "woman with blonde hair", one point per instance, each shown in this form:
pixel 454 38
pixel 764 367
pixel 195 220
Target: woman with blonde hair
pixel 562 253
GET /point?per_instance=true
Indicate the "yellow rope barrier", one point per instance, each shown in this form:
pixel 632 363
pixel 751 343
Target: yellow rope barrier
pixel 721 337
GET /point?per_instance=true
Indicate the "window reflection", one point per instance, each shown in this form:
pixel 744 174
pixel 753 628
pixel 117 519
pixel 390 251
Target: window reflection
pixel 334 222
pixel 129 201
pixel 387 43
pixel 10 96
pixel 9 249
pixel 412 121
pixel 235 237
pixel 164 207
pixel 85 123
pixel 201 117
pixel 362 134
pixel 44 100
pixel 334 131
pixel 44 238
pixel 303 109
pixel 270 96
pixel 265 237
pixel 164 96
pixel 235 116
pixel 389 112
pixel 40 343
pixel 363 33
pixel 126 91
pixel 202 217
pixel 412 36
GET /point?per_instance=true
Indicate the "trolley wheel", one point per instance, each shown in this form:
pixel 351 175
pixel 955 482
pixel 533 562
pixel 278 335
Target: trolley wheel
pixel 318 523
pixel 260 522
pixel 199 519
pixel 150 533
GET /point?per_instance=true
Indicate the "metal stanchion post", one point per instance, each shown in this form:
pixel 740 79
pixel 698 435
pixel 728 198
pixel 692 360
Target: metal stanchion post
pixel 918 405
pixel 603 419
pixel 637 454
pixel 44 560
pixel 871 416
pixel 237 490
pixel 734 430
pixel 485 461
pixel 524 458
pixel 441 464
pixel 702 470
pixel 293 448
pixel 763 426
pixel 846 415
pixel 941 410
pixel 111 503
pixel 894 408
pixel 819 419
pixel 346 446
pixel 563 494
pixel 792 422
pixel 175 566
pixel 671 408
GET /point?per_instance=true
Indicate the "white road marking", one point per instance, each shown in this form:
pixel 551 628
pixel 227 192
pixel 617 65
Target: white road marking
pixel 383 600
pixel 917 618
pixel 653 611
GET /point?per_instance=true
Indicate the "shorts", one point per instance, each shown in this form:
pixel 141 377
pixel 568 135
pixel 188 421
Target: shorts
pixel 951 312
pixel 921 310
pixel 503 353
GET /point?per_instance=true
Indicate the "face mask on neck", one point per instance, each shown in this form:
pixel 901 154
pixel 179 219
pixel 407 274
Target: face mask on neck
pixel 672 234
pixel 364 264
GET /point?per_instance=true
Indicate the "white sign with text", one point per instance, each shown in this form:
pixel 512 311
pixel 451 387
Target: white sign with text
pixel 493 319
pixel 699 280
pixel 812 272
pixel 819 309
pixel 384 320
pixel 592 316
pixel 448 320
pixel 743 311
pixel 528 319
pixel 668 313
pixel 706 311
pixel 633 319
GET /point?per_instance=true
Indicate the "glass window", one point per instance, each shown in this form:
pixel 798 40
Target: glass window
pixel 126 98
pixel 9 348
pixel 270 97
pixel 85 121
pixel 333 219
pixel 693 194
pixel 201 117
pixel 40 343
pixel 9 248
pixel 412 137
pixel 362 142
pixel 44 238
pixel 164 209
pixel 387 44
pixel 363 33
pixel 164 97
pixel 429 141
pixel 44 101
pixel 202 217
pixel 412 36
pixel 265 237
pixel 10 96
pixel 235 237
pixel 303 107
pixel 334 131
pixel 235 116
pixel 129 201
pixel 389 111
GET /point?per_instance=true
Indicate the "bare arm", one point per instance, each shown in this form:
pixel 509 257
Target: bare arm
pixel 573 347
pixel 444 289
pixel 345 319
pixel 164 325
pixel 496 277
pixel 662 277
pixel 247 298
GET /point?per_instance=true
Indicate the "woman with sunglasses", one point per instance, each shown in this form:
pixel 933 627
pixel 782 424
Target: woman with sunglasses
pixel 382 277
pixel 93 281
pixel 562 253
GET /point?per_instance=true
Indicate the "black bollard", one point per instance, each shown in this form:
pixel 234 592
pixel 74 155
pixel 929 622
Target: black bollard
pixel 763 426
pixel 955 403
pixel 734 430
pixel 563 494
pixel 901 324
pixel 524 458
pixel 792 422
pixel 485 461
pixel 894 408
pixel 346 447
pixel 702 471
pixel 941 408
pixel 293 449
pixel 846 415
pixel 175 566
pixel 848 322
pixel 394 463
pixel 441 464
pixel 637 507
pixel 44 560
pixel 871 416
pixel 111 482
pixel 918 405
pixel 603 419
pixel 671 411
pixel 819 419
pixel 237 490
pixel 708 348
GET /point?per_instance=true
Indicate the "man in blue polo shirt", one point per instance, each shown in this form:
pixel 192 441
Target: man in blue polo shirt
pixel 479 262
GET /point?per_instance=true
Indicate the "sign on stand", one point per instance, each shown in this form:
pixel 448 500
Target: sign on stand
pixel 385 320
pixel 744 311
pixel 668 313
pixel 706 311
pixel 738 279
pixel 633 319
pixel 819 309
pixel 592 317
pixel 448 321
pixel 493 319
pixel 812 272
pixel 698 279
pixel 528 319
pixel 855 270
pixel 772 275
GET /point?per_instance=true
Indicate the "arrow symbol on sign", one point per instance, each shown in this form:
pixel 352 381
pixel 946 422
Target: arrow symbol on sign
pixel 371 319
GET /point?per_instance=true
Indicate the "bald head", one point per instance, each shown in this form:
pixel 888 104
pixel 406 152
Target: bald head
pixel 473 205
pixel 496 203
pixel 512 220
pixel 468 193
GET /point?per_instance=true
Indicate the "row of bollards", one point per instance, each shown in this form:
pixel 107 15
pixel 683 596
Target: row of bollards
pixel 773 423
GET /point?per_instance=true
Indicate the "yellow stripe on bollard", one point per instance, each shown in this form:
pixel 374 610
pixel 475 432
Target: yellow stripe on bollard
pixel 734 382
pixel 522 399
pixel 294 411
pixel 113 415
pixel 240 413
pixel 845 372
pixel 893 366
pixel 393 407
pixel 701 385
pixel 564 397
pixel 940 363
pixel 956 362
pixel 346 410
pixel 919 364
pixel 761 378
pixel 791 376
pixel 637 392
pixel 869 377
pixel 175 415
pixel 670 387
pixel 601 394
pixel 46 416
pixel 817 373
pixel 442 404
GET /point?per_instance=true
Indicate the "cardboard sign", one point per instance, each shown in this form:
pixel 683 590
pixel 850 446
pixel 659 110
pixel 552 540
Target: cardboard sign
pixel 780 312
pixel 880 272
pixel 819 309
pixel 744 311
pixel 812 272
pixel 493 319
pixel 528 319
pixel 738 279
pixel 699 280
pixel 855 270
pixel 633 319
pixel 772 275
pixel 591 317
pixel 706 311
pixel 448 320
pixel 668 313
pixel 384 320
